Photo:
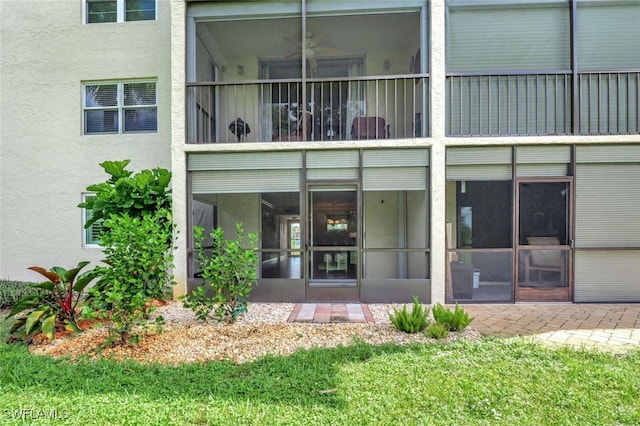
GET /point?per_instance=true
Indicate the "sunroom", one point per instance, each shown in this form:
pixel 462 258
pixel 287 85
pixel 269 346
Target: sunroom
pixel 307 70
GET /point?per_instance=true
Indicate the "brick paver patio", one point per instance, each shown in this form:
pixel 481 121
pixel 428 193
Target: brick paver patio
pixel 607 326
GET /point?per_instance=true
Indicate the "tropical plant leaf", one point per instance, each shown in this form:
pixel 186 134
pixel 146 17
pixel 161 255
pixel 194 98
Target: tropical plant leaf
pixel 84 280
pixel 25 303
pixel 116 168
pixel 50 275
pixel 19 322
pixel 33 318
pixel 72 326
pixel 46 285
pixel 49 326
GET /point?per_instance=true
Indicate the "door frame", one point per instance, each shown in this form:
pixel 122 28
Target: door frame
pixel 335 290
pixel 544 294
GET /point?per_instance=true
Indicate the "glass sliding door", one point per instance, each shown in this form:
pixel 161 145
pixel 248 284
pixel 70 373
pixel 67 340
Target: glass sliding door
pixel 332 228
pixel 544 239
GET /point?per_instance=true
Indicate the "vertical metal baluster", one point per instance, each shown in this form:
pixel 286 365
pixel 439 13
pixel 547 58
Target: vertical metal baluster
pixel 517 104
pixel 470 102
pixel 589 99
pixel 628 119
pixel 460 133
pixel 489 104
pixel 498 109
pixel 526 106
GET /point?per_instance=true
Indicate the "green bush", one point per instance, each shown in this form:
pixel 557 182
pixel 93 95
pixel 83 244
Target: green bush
pixel 437 330
pixel 229 272
pixel 12 291
pixel 410 322
pixel 456 320
pixel 139 270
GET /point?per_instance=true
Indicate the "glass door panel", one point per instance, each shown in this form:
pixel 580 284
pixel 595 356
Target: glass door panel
pixel 332 228
pixel 544 241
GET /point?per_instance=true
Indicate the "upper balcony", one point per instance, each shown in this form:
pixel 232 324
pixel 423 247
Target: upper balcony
pixel 273 72
pixel 543 103
pixel 319 71
pixel 376 107
pixel 534 67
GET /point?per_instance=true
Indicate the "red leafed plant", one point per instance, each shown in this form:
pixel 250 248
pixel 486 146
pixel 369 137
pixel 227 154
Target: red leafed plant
pixel 56 305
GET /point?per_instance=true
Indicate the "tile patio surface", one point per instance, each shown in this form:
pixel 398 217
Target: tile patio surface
pixel 613 327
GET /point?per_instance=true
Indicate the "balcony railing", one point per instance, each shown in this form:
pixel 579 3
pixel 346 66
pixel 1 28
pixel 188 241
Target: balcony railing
pixel 388 107
pixel 609 103
pixel 506 104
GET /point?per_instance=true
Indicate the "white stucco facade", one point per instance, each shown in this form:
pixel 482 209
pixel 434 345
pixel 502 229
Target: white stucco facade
pixel 46 54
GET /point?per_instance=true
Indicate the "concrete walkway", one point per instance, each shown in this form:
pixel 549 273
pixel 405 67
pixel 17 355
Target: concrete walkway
pixel 612 327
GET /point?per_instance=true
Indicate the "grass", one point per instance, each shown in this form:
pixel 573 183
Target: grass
pixel 488 382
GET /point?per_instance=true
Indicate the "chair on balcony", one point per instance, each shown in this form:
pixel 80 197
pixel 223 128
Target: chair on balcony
pixel 369 128
pixel 539 261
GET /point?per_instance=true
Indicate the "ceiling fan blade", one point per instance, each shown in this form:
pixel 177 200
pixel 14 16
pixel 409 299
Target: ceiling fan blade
pixel 327 51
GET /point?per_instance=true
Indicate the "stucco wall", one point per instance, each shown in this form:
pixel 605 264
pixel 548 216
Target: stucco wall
pixel 46 161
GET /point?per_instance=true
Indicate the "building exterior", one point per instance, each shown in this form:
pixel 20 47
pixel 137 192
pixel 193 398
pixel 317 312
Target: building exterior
pixel 471 151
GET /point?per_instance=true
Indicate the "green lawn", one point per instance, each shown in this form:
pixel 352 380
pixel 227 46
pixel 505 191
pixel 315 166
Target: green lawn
pixel 488 382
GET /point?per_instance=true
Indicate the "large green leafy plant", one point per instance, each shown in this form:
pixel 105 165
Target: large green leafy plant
pixel 138 237
pixel 229 271
pixel 128 193
pixel 138 271
pixel 58 304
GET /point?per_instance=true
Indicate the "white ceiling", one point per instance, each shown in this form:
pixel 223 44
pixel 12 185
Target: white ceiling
pixel 340 36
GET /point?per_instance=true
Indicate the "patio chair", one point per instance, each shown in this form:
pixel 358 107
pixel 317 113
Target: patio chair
pixel 369 128
pixel 539 261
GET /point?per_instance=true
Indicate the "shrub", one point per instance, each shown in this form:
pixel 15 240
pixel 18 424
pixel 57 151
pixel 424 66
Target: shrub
pixel 456 320
pixel 228 274
pixel 58 304
pixel 139 270
pixel 127 193
pixel 437 330
pixel 12 291
pixel 410 322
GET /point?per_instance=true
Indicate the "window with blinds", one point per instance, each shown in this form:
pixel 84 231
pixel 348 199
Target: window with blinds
pixel 121 107
pixel 91 235
pixel 102 11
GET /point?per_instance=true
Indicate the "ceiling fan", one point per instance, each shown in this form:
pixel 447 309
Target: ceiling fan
pixel 313 49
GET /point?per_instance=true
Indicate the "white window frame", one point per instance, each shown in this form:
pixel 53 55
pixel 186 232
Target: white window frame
pixel 87 241
pixel 120 106
pixel 120 12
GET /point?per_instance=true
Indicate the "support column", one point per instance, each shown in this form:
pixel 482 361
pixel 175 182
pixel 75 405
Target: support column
pixel 438 151
pixel 178 157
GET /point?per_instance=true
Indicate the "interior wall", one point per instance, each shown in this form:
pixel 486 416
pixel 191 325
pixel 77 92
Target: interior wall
pixel 417 233
pixel 381 231
pixel 235 208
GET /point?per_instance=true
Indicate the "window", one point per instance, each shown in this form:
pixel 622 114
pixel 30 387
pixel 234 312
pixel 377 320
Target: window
pixel 99 11
pixel 120 107
pixel 91 235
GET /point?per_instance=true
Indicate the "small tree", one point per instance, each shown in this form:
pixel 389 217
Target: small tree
pixel 138 236
pixel 139 270
pixel 228 272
